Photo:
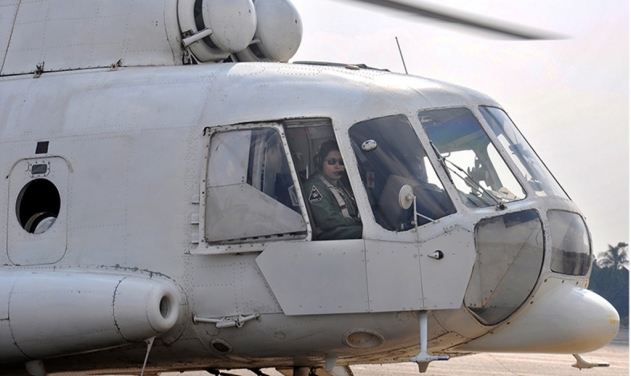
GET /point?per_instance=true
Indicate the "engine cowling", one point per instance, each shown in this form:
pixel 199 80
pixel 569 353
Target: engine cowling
pixel 245 30
pixel 49 314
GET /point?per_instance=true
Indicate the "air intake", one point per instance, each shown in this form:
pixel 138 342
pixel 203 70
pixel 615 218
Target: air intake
pixel 240 30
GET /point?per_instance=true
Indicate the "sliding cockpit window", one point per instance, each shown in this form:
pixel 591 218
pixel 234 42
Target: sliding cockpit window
pixel 390 156
pixel 250 193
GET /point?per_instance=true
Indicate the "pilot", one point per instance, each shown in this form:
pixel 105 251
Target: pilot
pixel 333 207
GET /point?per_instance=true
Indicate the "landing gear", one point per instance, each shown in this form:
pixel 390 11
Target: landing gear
pixel 423 358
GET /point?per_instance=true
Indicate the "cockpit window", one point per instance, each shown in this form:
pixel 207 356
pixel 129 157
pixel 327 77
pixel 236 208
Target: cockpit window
pixel 571 251
pixel 249 188
pixel 529 165
pixel 469 158
pixel 390 156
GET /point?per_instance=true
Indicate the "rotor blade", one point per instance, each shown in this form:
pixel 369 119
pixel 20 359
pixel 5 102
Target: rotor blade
pixel 477 22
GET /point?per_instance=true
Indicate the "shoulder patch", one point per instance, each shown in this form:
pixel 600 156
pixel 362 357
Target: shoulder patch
pixel 315 196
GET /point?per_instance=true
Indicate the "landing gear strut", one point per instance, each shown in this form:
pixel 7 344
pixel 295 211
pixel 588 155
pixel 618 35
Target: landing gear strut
pixel 423 358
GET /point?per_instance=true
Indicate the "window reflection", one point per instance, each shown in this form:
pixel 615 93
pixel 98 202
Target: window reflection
pixel 470 159
pixel 528 163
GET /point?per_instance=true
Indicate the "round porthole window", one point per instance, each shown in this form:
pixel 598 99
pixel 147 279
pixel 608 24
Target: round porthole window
pixel 38 206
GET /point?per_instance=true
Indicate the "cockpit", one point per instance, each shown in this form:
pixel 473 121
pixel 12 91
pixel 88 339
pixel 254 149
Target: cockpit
pixel 463 167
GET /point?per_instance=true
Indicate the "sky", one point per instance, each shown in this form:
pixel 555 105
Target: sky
pixel 569 97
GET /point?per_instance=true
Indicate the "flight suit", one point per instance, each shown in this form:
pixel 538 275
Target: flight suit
pixel 334 217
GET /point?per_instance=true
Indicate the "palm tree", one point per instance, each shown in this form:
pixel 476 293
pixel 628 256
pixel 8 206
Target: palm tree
pixel 615 257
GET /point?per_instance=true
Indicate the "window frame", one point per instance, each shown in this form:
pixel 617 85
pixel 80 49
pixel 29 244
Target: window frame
pixel 237 246
pixel 517 170
pixel 554 253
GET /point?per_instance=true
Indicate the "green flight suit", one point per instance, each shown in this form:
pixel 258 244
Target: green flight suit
pixel 332 220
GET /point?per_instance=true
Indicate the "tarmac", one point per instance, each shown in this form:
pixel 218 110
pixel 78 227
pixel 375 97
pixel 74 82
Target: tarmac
pixel 496 364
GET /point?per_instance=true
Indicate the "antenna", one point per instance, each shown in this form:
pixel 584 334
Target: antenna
pixel 401 53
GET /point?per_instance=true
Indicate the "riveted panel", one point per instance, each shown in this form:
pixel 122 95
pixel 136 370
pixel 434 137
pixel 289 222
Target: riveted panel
pixel 394 276
pixel 445 279
pixel 8 10
pixel 46 32
pixel 323 277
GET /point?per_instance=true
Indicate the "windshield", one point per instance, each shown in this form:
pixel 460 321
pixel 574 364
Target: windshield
pixel 470 159
pixel 530 166
pixel 390 156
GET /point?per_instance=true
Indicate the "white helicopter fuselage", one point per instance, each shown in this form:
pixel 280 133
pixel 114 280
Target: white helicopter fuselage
pixel 154 202
pixel 127 150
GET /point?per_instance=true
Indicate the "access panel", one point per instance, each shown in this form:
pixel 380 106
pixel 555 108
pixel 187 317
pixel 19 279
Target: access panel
pixel 324 277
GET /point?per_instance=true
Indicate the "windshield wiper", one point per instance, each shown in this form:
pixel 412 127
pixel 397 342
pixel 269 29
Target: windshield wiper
pixel 443 161
pixel 469 179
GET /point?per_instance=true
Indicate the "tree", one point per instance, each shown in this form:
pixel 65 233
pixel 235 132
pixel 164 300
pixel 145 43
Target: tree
pixel 610 278
pixel 615 257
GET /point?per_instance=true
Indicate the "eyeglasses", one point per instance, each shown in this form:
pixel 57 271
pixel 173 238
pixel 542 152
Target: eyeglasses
pixel 332 161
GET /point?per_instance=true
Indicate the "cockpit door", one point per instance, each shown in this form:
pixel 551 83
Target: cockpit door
pixel 427 274
pixel 404 272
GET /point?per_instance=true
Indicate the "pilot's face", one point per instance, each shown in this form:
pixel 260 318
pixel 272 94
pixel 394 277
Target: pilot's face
pixel 333 171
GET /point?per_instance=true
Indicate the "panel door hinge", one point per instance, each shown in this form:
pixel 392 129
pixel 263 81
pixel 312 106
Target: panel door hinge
pixel 228 322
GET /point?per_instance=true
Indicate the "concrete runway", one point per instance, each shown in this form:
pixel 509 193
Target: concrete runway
pixel 496 364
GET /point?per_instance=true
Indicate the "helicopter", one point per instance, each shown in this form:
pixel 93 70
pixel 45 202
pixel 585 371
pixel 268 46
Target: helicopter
pixel 156 216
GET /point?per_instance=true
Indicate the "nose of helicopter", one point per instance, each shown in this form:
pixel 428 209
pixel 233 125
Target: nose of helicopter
pixel 568 320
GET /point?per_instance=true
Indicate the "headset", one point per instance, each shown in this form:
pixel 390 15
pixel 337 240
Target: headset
pixel 325 148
